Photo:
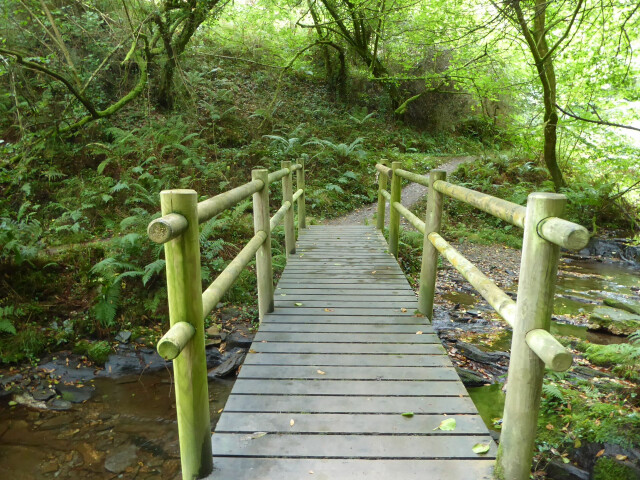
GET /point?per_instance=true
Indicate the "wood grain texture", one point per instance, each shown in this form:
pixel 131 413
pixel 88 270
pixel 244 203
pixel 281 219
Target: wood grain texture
pixel 333 368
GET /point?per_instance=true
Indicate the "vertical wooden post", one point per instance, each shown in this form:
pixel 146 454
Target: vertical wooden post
pixel 382 185
pixel 184 289
pixel 287 196
pixel 302 214
pixel 261 221
pixel 394 215
pixel 432 222
pixel 538 271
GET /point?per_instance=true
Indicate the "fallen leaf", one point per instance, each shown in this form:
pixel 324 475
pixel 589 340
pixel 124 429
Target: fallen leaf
pixel 13 403
pixel 621 458
pixel 447 425
pixel 550 427
pixel 283 294
pixel 298 304
pixel 257 435
pixel 373 272
pixel 310 472
pixel 220 411
pixel 600 453
pixel 403 310
pixel 328 310
pixel 292 422
pixel 321 372
pixel 407 414
pixel 419 332
pixel 481 448
pixel 251 350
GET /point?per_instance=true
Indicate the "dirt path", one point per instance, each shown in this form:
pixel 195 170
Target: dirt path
pixel 411 194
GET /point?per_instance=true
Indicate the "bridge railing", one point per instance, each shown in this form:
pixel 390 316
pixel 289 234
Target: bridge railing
pixel 532 346
pixel 178 229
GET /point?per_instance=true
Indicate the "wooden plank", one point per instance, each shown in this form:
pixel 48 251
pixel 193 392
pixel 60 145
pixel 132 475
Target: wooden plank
pixel 342 328
pixel 359 312
pixel 367 388
pixel 309 372
pixel 346 404
pixel 336 360
pixel 331 318
pixel 390 348
pixel 233 422
pixel 363 283
pixel 350 469
pixel 337 296
pixel 352 446
pixel 308 293
pixel 345 338
pixel 410 304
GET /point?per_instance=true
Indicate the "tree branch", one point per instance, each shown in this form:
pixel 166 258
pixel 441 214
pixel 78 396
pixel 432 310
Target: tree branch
pixel 598 122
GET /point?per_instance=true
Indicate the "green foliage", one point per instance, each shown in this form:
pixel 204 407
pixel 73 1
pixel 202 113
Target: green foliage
pixel 6 314
pixel 99 352
pixel 607 469
pixel 624 358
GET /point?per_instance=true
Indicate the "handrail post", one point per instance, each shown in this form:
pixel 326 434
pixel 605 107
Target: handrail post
pixel 394 215
pixel 538 270
pixel 382 185
pixel 287 196
pixel 300 184
pixel 184 290
pixel 261 222
pixel 429 269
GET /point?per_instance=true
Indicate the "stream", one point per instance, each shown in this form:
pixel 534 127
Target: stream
pixel 127 429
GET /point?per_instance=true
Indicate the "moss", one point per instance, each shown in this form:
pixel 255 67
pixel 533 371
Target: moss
pixel 99 352
pixel 623 357
pixel 608 469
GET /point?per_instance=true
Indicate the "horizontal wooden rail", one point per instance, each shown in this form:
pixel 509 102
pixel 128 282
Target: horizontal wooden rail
pixel 500 301
pixel 384 170
pixel 406 213
pixel 386 195
pixel 507 211
pixel 171 226
pixel 174 341
pixel 549 350
pixel 212 295
pixel 562 232
pixel 279 215
pixel 413 177
pixel 283 172
pixel 297 194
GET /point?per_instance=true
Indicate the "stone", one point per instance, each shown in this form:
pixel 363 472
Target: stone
pixel 213 331
pixel 613 320
pixel 558 470
pixel 118 460
pixel 119 365
pixel 43 394
pixel 58 404
pixel 231 362
pixel 124 336
pixel 478 355
pixel 470 378
pixel 628 305
pixel 75 394
pixel 239 340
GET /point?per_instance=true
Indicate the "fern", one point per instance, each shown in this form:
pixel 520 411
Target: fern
pixel 7 327
pixel 108 301
pixel 552 392
pixel 152 269
pixel 634 338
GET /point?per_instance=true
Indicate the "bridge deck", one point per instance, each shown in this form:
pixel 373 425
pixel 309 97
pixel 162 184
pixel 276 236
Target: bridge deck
pixel 332 370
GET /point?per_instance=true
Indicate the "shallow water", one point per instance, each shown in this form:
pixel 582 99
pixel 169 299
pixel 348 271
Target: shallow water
pixel 128 425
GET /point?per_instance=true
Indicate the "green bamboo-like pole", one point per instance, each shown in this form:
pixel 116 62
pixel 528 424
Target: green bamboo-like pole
pixel 184 290
pixel 261 222
pixel 174 341
pixel 538 271
pixel 300 184
pixel 394 215
pixel 382 186
pixel 287 196
pixel 429 268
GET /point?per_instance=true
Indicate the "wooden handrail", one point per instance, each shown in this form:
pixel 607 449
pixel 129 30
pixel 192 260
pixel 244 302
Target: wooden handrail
pixel 188 305
pixel 532 344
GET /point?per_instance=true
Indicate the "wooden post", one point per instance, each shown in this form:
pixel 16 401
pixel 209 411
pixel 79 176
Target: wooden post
pixel 287 196
pixel 184 289
pixel 429 270
pixel 300 184
pixel 394 216
pixel 382 185
pixel 538 270
pixel 261 222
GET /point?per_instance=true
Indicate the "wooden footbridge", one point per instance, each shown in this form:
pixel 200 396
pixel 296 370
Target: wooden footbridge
pixel 346 378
